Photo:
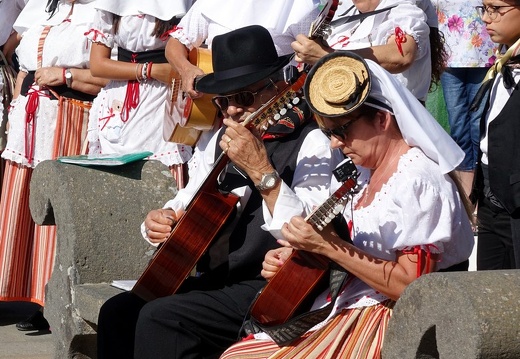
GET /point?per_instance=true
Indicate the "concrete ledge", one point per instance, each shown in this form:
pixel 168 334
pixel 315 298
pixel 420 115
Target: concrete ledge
pixel 458 315
pixel 98 212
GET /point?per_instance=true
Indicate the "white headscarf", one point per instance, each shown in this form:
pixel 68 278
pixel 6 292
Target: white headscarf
pixel 417 125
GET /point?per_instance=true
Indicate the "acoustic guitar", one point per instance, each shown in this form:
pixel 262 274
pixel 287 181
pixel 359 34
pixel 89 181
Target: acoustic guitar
pixel 303 272
pixel 196 115
pixel 206 213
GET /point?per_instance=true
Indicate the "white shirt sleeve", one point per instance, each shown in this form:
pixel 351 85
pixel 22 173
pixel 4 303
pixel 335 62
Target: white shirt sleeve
pixel 310 185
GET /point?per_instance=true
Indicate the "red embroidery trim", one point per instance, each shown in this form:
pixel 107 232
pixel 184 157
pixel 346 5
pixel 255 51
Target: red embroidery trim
pixel 167 33
pixel 107 118
pixel 418 250
pixel 96 33
pixel 343 40
pixel 400 38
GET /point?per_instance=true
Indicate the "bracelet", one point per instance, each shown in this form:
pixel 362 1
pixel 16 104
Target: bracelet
pixel 144 70
pixel 137 73
pixel 149 70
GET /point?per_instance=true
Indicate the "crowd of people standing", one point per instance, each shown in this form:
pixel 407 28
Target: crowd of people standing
pixel 97 77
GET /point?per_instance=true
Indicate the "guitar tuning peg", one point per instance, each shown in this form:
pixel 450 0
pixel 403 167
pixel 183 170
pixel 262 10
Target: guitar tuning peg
pixel 295 100
pixel 283 111
pixel 277 117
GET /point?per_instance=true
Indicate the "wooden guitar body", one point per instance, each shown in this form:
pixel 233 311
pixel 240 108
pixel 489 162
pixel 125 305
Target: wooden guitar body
pixel 196 115
pixel 191 237
pixel 303 272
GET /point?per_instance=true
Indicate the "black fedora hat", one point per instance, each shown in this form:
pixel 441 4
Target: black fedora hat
pixel 241 58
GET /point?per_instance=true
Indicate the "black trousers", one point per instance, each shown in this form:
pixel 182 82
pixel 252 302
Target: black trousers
pixel 192 324
pixel 496 238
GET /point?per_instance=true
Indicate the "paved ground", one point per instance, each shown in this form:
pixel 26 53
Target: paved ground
pixel 22 345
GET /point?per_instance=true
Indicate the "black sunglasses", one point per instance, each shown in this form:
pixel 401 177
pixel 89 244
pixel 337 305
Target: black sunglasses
pixel 242 98
pixel 340 132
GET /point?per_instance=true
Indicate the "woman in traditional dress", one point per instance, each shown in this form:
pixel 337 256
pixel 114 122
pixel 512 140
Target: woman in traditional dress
pixel 53 94
pixel 131 111
pixel 407 219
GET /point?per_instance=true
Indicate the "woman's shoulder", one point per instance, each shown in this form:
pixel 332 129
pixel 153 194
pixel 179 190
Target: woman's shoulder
pixel 419 171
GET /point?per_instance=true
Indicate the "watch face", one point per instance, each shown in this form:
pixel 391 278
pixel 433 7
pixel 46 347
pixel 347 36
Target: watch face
pixel 270 182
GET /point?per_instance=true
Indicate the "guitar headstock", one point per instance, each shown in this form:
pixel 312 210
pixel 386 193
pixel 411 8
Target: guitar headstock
pixel 320 28
pixel 275 109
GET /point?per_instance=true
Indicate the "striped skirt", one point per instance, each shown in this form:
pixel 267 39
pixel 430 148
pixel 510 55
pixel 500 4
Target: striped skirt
pixel 354 334
pixel 26 249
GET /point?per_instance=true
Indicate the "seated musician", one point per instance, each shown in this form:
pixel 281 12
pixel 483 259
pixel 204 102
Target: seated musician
pixel 408 219
pixel 284 172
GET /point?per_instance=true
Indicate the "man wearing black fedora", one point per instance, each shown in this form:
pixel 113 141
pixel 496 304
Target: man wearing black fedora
pixel 277 171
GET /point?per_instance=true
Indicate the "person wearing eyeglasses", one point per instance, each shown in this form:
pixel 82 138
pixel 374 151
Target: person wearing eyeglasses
pixel 407 220
pixel 279 167
pixel 497 189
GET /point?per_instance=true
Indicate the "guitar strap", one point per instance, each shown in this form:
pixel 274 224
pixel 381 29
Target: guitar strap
pixel 360 16
pixel 286 333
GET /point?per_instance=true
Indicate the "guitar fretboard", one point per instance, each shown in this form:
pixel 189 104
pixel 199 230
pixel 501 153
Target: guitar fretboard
pixel 335 204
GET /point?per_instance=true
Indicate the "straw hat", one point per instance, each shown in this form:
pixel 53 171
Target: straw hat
pixel 337 84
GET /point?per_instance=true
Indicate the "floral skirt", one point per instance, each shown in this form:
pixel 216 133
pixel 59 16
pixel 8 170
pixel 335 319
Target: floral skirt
pixel 354 333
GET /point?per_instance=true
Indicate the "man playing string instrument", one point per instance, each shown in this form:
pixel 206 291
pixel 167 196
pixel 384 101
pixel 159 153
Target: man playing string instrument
pixel 277 173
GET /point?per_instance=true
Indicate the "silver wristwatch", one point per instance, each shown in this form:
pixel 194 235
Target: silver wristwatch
pixel 68 77
pixel 268 181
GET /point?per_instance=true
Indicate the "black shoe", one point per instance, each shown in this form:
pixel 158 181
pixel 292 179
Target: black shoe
pixel 34 322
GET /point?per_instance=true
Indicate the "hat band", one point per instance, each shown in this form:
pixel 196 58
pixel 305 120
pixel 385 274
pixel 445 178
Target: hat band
pixel 239 71
pixel 380 105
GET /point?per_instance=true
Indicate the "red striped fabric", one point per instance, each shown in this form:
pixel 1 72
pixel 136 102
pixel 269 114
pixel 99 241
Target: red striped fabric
pixel 354 334
pixel 2 169
pixel 26 249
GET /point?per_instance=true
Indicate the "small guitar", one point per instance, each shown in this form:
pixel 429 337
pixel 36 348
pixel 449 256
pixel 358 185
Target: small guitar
pixel 206 214
pixel 301 274
pixel 196 115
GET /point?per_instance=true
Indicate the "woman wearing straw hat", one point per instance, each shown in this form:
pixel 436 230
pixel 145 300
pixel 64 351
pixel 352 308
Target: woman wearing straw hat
pixel 403 221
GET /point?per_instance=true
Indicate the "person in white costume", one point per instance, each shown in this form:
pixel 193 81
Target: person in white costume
pixel 207 19
pixel 9 11
pixel 408 219
pixel 129 114
pixel 48 118
pixel 393 33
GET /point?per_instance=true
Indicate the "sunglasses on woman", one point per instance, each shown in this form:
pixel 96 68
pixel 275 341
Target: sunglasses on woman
pixel 340 132
pixel 242 98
